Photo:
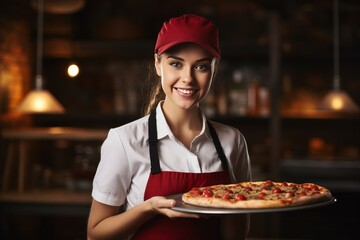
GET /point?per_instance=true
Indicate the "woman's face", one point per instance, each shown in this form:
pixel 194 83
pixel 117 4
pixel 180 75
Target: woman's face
pixel 186 74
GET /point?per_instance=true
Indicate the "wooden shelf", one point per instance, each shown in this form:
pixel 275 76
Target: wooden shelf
pixel 54 196
pixel 54 133
pixel 62 48
pixel 319 115
pixel 59 202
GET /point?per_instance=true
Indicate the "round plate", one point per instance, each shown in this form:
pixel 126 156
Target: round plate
pixel 184 207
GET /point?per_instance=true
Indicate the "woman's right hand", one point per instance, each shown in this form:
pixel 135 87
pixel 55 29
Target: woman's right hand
pixel 162 205
pixel 106 223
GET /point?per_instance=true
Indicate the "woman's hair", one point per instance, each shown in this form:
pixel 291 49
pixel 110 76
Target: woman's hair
pixel 156 93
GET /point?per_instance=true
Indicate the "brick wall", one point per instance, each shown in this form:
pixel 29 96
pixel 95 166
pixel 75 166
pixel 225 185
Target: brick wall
pixel 15 66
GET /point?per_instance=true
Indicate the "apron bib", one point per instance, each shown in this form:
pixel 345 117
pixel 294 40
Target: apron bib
pixel 164 183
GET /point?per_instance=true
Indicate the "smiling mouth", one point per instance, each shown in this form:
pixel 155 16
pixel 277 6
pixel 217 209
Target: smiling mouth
pixel 185 91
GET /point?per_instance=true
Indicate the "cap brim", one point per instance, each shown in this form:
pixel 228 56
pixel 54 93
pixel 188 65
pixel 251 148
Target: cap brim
pixel 166 47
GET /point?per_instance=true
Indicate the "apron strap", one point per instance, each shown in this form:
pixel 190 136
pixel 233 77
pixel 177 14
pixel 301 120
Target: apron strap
pixel 218 147
pixel 153 150
pixel 153 140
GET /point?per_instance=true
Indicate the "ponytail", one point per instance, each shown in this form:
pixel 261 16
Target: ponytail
pixel 156 93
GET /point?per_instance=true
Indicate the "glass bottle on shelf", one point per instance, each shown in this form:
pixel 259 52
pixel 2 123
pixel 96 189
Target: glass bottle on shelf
pixel 264 101
pixel 253 98
pixel 84 167
pixel 238 94
pixel 221 101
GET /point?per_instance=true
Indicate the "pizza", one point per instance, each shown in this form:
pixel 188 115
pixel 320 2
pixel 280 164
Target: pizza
pixel 260 194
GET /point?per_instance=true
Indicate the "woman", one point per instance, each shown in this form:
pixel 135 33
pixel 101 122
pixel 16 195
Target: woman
pixel 171 149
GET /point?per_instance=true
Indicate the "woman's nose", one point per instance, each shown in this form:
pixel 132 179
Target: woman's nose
pixel 187 75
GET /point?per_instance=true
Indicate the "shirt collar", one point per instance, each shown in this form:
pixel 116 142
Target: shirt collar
pixel 164 130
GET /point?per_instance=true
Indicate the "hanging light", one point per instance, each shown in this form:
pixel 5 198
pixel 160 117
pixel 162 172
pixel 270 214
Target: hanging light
pixel 40 100
pixel 73 70
pixel 337 99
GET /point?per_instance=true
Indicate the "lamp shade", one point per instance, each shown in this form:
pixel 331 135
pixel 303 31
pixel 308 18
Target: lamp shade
pixel 338 100
pixel 40 101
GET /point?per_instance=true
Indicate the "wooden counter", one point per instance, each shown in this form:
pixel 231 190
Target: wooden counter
pixel 46 202
pixel 18 146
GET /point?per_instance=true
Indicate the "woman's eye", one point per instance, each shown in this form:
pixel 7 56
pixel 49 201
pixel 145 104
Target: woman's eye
pixel 202 67
pixel 175 64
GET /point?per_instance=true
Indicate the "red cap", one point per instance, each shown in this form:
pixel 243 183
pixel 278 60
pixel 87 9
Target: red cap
pixel 189 28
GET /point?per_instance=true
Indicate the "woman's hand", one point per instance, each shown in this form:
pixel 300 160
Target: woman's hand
pixel 162 205
pixel 106 223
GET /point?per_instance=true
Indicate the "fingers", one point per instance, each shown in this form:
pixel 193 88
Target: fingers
pixel 162 202
pixel 162 205
pixel 175 214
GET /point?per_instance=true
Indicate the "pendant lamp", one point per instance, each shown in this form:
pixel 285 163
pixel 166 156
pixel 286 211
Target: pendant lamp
pixel 337 99
pixel 40 100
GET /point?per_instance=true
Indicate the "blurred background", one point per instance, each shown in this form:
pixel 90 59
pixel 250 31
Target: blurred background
pixel 288 80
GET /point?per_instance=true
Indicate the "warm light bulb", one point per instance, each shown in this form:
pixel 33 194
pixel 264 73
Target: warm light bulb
pixel 73 70
pixel 337 103
pixel 39 104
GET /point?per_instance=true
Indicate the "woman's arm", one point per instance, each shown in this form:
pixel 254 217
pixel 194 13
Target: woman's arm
pixel 105 223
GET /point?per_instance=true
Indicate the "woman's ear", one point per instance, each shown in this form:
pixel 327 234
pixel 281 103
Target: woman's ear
pixel 157 64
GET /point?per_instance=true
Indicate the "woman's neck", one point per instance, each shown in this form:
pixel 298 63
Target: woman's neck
pixel 185 124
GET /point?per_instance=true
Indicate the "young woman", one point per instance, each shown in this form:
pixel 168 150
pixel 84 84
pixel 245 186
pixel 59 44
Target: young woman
pixel 171 149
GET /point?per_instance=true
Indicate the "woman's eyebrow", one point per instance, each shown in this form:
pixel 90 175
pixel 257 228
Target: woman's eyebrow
pixel 175 57
pixel 181 59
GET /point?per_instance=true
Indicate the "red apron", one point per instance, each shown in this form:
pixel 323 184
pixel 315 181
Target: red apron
pixel 167 183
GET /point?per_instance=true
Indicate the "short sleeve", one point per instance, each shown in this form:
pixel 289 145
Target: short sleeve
pixel 113 174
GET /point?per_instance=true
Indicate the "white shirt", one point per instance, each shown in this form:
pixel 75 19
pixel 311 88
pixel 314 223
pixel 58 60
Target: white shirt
pixel 124 167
